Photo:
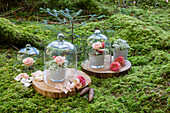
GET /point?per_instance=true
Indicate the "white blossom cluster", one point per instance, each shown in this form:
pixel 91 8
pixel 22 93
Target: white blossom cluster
pixel 120 45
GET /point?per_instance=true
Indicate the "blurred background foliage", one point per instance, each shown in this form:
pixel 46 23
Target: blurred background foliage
pixel 106 7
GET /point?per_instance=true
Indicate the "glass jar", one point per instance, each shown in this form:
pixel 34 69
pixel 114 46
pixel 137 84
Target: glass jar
pixel 59 56
pixel 97 51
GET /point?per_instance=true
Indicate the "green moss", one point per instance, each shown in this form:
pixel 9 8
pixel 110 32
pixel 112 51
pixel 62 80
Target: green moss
pixel 144 89
pixel 10 33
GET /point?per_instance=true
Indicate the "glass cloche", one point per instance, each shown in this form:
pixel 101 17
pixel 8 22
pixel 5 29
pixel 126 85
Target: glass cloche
pixel 97 51
pixel 28 51
pixel 26 58
pixel 59 57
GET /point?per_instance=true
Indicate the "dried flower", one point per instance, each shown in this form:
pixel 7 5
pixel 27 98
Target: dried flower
pixel 115 66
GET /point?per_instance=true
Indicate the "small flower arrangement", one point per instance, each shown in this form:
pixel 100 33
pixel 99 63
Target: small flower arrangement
pixel 117 64
pixel 57 62
pixel 98 48
pixel 120 45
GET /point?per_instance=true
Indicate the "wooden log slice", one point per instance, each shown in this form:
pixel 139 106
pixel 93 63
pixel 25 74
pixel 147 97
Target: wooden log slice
pixel 48 91
pixel 105 72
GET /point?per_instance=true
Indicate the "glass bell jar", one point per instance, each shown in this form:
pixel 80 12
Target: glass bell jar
pixel 26 56
pixel 28 51
pixel 97 51
pixel 60 57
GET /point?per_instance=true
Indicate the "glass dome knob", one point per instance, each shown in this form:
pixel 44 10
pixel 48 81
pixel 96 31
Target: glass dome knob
pixel 97 32
pixel 60 37
pixel 28 47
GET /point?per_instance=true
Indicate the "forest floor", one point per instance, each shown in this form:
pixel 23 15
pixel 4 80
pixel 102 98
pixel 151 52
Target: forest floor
pixel 144 89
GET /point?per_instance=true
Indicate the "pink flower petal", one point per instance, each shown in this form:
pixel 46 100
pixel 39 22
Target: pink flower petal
pixel 27 84
pixel 23 80
pixel 64 90
pixel 76 80
pixel 72 86
pixel 18 77
pixel 68 86
pixel 37 73
pixel 79 85
pixel 26 76
pixel 39 78
pixel 31 78
pixel 28 80
pixel 59 86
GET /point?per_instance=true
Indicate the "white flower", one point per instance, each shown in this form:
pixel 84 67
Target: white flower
pixel 120 45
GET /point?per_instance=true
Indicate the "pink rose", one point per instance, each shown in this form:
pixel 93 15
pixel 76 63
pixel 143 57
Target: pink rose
pixel 59 60
pixel 28 61
pixel 97 45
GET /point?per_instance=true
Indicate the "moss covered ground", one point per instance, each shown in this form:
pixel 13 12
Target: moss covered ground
pixel 144 89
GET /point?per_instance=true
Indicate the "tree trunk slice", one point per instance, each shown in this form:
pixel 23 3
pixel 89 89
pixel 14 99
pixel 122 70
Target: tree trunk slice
pixel 48 91
pixel 105 72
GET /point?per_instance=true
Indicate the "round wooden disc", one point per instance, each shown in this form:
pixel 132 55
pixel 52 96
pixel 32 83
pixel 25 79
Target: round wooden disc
pixel 48 91
pixel 105 72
